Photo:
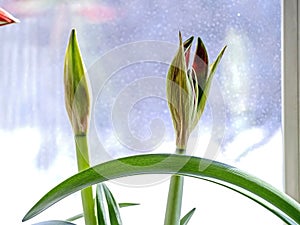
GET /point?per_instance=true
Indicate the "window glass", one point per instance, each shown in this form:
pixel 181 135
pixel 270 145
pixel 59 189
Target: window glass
pixel 126 46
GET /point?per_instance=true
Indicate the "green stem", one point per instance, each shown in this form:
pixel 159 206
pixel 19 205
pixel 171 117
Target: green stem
pixel 173 209
pixel 82 153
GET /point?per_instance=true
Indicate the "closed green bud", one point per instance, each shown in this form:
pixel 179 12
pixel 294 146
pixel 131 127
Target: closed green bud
pixel 180 96
pixel 187 88
pixel 77 97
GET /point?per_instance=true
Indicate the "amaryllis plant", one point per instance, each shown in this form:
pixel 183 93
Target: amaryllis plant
pixel 6 18
pixel 187 90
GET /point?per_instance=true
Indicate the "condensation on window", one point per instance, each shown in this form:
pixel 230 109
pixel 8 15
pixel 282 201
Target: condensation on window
pixel 129 44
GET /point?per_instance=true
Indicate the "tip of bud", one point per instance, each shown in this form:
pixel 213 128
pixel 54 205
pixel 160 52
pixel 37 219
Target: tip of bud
pixel 180 38
pixel 73 37
pixel 7 18
pixel 188 43
pixel 73 32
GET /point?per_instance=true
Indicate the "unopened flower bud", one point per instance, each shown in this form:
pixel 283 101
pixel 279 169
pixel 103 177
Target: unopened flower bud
pixel 179 95
pixel 77 97
pixel 187 88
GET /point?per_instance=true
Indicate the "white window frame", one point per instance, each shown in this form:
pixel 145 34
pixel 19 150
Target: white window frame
pixel 291 92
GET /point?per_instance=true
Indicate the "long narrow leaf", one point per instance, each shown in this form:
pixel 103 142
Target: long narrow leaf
pixel 275 201
pixel 106 201
pixel 113 208
pixel 100 205
pixel 76 217
pixel 187 217
pixel 127 204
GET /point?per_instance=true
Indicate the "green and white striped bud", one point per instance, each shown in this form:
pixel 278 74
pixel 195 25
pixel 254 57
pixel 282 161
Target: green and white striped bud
pixel 77 95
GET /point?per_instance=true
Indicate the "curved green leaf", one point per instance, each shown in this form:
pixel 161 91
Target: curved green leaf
pixel 187 217
pixel 277 202
pixel 54 222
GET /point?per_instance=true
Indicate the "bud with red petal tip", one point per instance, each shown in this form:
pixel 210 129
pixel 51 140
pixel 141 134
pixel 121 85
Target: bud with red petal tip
pixel 187 88
pixel 6 18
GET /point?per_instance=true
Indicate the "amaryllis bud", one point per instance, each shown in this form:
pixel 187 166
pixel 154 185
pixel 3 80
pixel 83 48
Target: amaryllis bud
pixel 187 89
pixel 77 97
pixel 6 18
pixel 180 96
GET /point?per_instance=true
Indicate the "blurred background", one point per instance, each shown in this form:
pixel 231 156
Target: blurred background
pixel 37 143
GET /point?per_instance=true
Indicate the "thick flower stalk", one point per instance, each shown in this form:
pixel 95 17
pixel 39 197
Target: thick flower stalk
pixel 77 101
pixel 187 90
pixel 6 18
